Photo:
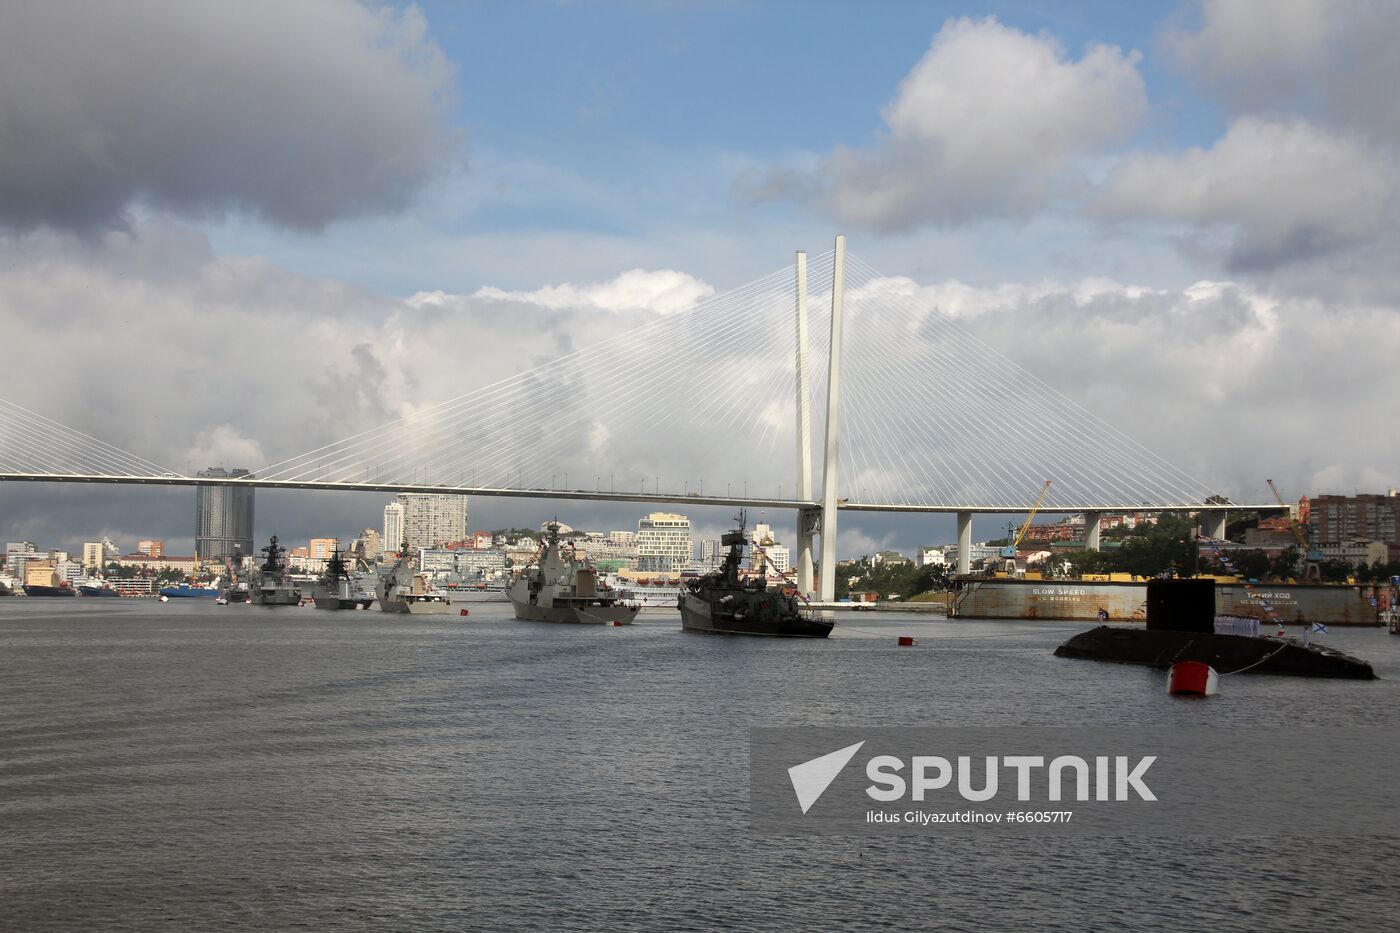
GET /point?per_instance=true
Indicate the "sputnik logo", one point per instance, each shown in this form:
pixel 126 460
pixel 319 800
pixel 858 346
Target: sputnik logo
pixel 811 778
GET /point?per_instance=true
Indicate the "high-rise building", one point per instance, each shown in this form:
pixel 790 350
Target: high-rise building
pixel 1343 519
pixel 712 552
pixel 321 548
pixel 151 547
pixel 18 554
pixel 368 545
pixel 223 517
pixel 663 542
pixel 778 556
pixel 433 519
pixel 393 527
pixel 92 556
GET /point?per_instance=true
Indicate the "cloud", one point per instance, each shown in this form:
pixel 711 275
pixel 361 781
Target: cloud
pixel 1331 61
pixel 298 114
pixel 663 291
pixel 226 446
pixel 990 122
pixel 1277 187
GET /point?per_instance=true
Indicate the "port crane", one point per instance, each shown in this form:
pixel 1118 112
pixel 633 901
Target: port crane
pixel 1013 543
pixel 1311 556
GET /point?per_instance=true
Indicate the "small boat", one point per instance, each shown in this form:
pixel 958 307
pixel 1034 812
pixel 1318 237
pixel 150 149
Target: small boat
pixel 723 603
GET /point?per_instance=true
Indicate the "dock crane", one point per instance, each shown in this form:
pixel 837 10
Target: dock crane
pixel 1013 544
pixel 1311 556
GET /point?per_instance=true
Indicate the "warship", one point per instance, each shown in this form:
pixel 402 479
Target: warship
pixel 271 586
pixel 404 590
pixel 557 588
pixel 722 603
pixel 1182 626
pixel 335 589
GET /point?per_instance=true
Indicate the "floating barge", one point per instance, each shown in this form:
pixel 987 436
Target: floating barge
pixel 1126 601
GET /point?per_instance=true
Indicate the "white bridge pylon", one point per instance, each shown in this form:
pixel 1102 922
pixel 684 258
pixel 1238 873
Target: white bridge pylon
pixel 707 406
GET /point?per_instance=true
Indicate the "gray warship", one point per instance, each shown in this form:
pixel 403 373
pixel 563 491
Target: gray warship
pixel 405 590
pixel 557 588
pixel 336 590
pixel 271 586
pixel 722 603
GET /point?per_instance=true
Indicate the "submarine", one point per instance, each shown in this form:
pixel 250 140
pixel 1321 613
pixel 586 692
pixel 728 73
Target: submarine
pixel 1181 627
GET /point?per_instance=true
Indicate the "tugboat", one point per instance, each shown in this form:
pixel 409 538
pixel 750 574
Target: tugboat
pixel 1182 626
pixel 564 589
pixel 722 603
pixel 271 586
pixel 335 589
pixel 405 590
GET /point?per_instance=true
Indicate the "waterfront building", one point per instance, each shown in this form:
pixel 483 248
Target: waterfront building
pixel 92 556
pixel 393 526
pixel 1340 520
pixel 432 519
pixel 439 562
pixel 663 542
pixel 368 545
pixel 712 552
pixel 322 548
pixel 929 556
pixel 133 586
pixel 155 565
pixel 18 554
pixel 486 561
pixel 223 517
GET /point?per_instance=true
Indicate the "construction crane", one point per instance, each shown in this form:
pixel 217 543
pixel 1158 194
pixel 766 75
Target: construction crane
pixel 1013 544
pixel 1310 554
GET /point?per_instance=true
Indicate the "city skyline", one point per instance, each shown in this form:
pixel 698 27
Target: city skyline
pixel 553 211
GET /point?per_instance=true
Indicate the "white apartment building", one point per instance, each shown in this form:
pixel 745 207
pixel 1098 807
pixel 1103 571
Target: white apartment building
pixel 393 527
pixel 432 519
pixel 663 542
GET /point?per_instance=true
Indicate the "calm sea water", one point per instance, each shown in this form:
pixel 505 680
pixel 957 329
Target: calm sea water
pixel 190 766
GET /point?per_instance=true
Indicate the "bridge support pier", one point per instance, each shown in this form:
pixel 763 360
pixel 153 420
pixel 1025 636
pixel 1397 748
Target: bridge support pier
pixel 1213 524
pixel 1091 530
pixel 964 542
pixel 809 522
pixel 833 409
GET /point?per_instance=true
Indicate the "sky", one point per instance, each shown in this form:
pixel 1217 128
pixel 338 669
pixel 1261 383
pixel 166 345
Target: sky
pixel 231 233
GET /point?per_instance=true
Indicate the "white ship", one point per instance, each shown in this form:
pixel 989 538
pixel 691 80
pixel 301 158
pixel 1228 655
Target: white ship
pixel 404 589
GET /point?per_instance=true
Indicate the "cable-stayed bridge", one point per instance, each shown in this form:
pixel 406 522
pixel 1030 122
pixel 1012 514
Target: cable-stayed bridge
pixel 908 410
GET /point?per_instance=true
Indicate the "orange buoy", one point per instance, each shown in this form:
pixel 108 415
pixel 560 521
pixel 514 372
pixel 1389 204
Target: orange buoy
pixel 1193 679
pixel 906 641
pixel 463 612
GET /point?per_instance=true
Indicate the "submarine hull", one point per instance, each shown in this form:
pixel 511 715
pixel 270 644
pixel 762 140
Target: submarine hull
pixel 1228 654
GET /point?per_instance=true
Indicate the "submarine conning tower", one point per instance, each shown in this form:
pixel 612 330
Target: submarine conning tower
pixel 1181 606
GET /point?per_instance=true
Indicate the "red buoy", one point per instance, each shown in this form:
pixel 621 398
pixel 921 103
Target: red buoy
pixel 463 612
pixel 906 641
pixel 617 622
pixel 1194 679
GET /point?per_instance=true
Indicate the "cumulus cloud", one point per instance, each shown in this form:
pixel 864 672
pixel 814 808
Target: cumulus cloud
pixel 1332 61
pixel 1278 188
pixel 664 291
pixel 226 446
pixel 1229 381
pixel 991 121
pixel 298 114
